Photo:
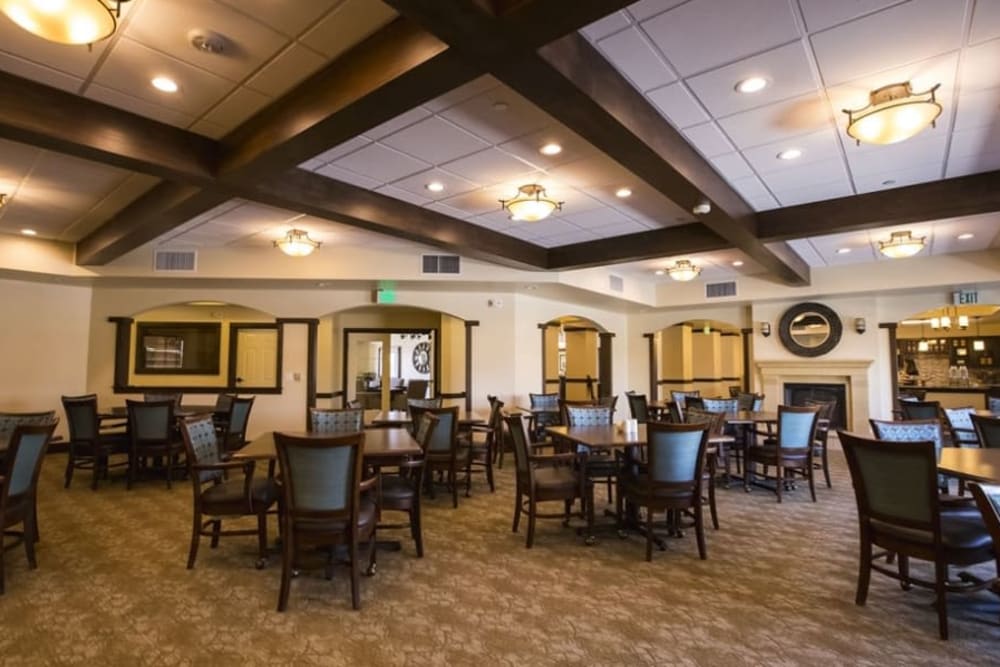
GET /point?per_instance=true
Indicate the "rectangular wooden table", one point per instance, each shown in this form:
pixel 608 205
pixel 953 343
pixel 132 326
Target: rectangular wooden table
pixel 974 464
pixel 121 412
pixel 402 417
pixel 381 445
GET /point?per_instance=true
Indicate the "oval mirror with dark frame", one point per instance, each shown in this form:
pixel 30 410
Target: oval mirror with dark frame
pixel 810 329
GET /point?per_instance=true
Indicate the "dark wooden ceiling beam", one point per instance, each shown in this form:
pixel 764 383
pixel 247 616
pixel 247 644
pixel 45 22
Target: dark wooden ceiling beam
pixel 936 200
pixel 684 239
pixel 34 114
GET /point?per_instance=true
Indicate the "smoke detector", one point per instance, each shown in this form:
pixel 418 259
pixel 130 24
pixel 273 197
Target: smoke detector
pixel 208 42
pixel 702 208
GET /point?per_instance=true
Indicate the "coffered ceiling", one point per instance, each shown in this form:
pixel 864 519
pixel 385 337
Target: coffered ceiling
pixel 334 116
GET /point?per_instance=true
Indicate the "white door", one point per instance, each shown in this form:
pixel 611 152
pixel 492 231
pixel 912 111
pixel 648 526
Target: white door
pixel 257 358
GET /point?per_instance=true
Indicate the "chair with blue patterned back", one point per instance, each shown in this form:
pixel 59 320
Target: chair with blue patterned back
pixel 963 433
pixel 323 503
pixel 791 452
pixel 913 430
pixel 728 405
pixel 348 420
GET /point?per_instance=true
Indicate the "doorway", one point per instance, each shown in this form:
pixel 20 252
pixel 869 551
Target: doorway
pixel 385 366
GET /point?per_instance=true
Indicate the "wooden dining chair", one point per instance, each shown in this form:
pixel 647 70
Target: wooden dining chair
pixel 716 450
pixel 91 446
pixel 441 454
pixel 478 444
pixel 400 486
pixel 638 406
pixel 791 452
pixel 234 435
pixel 959 422
pixel 152 435
pixel 345 420
pixel 987 430
pixel 820 446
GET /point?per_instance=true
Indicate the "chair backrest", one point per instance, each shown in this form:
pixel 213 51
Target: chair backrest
pixel 588 415
pixel 988 500
pixel 444 439
pixel 720 404
pixel 745 400
pixel 544 401
pixel 638 406
pixel 796 427
pixel 322 420
pixel 960 423
pixel 987 430
pixel 675 455
pixel 321 476
pixel 696 402
pixel 239 418
pixel 150 422
pixel 156 397
pixel 825 407
pixel 912 410
pixel 608 401
pixel 417 389
pixel 734 390
pixel 201 445
pixel 11 420
pixel 914 430
pixel 680 397
pixel 81 417
pixel 894 482
pixel 425 429
pixel 423 402
pixel 495 422
pixel 993 404
pixel 714 421
pixel 519 438
pixel 223 402
pixel 23 461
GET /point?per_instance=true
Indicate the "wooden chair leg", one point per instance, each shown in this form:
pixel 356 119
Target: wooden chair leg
pixel 649 534
pixel 287 554
pixel 29 539
pixel 416 530
pixel 812 481
pixel 904 572
pixel 195 540
pixel 262 537
pixel 489 472
pixel 779 476
pixel 941 598
pixel 711 503
pixel 216 532
pixel 532 510
pixel 453 474
pixel 355 574
pixel 826 466
pixel 699 531
pixel 70 465
pixel 517 510
pixel 864 571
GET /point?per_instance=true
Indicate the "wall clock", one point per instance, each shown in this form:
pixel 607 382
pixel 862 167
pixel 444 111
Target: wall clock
pixel 422 357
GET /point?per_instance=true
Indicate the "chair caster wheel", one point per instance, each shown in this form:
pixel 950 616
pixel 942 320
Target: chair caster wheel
pixel 590 541
pixel 370 572
pixel 261 563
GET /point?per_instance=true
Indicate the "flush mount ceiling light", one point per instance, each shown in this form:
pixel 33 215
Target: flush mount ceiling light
pixel 790 154
pixel 843 251
pixel 550 149
pixel 754 84
pixel 531 204
pixel 894 113
pixel 738 263
pixel 164 84
pixel 901 244
pixel 29 232
pixel 435 186
pixel 684 270
pixel 965 237
pixel 65 21
pixel 296 243
pixel 622 193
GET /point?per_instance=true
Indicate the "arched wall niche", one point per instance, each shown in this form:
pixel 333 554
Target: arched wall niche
pixel 695 354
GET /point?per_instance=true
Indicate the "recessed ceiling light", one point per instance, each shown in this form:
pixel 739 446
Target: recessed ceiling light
pixel 843 251
pixel 550 149
pixel 164 84
pixel 435 186
pixel 660 272
pixel 754 84
pixel 965 237
pixel 29 232
pixel 790 154
pixel 621 193
pixel 738 262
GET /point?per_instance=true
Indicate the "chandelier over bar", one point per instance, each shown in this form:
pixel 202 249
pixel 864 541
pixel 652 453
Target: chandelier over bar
pixel 894 113
pixel 65 21
pixel 531 204
pixel 296 243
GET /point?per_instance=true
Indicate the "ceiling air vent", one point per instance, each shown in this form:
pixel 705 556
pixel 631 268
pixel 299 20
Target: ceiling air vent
pixel 442 264
pixel 717 290
pixel 174 260
pixel 616 283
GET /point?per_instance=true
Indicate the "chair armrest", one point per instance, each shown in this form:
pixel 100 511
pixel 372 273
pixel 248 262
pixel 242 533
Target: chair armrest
pixel 246 464
pixel 368 484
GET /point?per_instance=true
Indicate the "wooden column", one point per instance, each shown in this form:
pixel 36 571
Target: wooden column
pixel 653 378
pixel 604 387
pixel 894 370
pixel 123 348
pixel 745 339
pixel 469 324
pixel 542 327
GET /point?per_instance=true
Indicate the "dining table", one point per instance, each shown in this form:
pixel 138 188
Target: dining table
pixel 184 411
pixel 382 445
pixel 401 418
pixel 976 464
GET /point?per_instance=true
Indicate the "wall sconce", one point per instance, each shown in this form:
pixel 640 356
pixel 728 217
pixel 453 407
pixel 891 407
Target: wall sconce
pixel 860 325
pixel 765 329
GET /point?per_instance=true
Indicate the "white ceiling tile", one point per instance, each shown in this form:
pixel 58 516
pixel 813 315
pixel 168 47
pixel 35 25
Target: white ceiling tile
pixel 381 163
pixel 732 167
pixel 404 195
pixel 289 18
pixel 497 115
pixel 488 167
pixel 708 139
pixel 703 34
pixel 527 147
pixel 678 105
pixel 977 108
pixel 985 21
pixel 404 119
pixel 886 179
pixel 822 172
pixel 286 71
pixel 137 106
pixel 168 26
pixel 816 192
pixel 453 185
pixel 786 68
pixel 775 122
pixel 237 108
pixel 608 25
pixel 450 211
pixel 595 218
pixel 822 14
pixel 525 232
pixel 345 26
pixel 764 203
pixel 491 221
pixel 621 229
pixel 553 226
pixel 804 249
pixel 750 188
pixel 567 238
pixel 876 42
pixel 645 9
pixel 434 141
pixel 815 147
pixel 972 164
pixel 634 57
pixel 131 66
pixel 925 149
pixel 339 150
pixel 40 73
pixel 979 66
pixel 592 172
pixel 482 202
pixel 347 176
pixel 971 142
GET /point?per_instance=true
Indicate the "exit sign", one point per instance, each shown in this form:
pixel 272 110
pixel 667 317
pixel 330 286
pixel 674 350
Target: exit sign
pixel 965 297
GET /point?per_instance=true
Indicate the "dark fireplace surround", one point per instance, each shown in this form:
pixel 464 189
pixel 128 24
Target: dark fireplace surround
pixel 797 393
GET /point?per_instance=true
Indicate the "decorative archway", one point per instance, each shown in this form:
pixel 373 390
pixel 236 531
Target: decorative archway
pixel 574 350
pixel 708 355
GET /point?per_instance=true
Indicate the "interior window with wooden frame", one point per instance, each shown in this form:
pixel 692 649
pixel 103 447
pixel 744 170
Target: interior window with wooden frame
pixel 178 348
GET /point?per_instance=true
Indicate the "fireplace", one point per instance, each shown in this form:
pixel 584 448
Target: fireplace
pixel 797 393
pixel 851 374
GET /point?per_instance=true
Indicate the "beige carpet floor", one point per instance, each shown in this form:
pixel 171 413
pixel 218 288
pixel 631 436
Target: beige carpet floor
pixel 777 589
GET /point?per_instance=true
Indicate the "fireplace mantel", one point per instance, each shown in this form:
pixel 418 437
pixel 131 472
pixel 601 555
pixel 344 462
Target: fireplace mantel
pixel 774 373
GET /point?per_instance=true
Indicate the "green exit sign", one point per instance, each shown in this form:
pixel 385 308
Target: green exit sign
pixel 385 296
pixel 965 297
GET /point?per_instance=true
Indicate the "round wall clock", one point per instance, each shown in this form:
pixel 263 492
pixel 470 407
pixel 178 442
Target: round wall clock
pixel 422 357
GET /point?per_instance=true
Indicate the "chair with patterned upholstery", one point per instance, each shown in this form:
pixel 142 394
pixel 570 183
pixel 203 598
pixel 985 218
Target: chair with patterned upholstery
pixel 234 435
pixel 441 454
pixel 424 403
pixel 900 511
pixel 223 497
pixel 477 452
pixel 671 480
pixel 727 405
pixel 914 410
pixel 959 420
pixel 90 446
pixel 400 489
pixel 826 409
pixel 791 452
pixel 987 430
pixel 546 413
pixel 323 505
pixel 993 404
pixel 600 466
pixel 914 430
pixel 679 399
pixel 541 478
pixel 152 434
pixel 323 420
pixel 26 449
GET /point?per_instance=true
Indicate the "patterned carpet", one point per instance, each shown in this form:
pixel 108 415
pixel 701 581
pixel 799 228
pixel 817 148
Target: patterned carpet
pixel 778 589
